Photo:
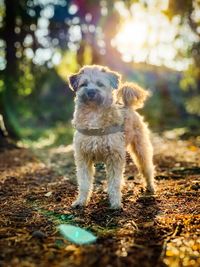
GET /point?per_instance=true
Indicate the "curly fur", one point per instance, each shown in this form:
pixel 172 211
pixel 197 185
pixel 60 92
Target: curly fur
pixel 132 95
pixel 111 148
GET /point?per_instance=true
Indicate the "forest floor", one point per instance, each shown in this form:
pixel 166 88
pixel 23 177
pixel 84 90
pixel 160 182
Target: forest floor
pixel 38 187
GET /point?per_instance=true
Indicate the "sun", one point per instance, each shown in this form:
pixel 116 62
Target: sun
pixel 132 39
pixel 148 36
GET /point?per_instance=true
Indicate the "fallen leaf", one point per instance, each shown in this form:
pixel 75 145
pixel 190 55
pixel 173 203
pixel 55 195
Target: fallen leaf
pixel 76 234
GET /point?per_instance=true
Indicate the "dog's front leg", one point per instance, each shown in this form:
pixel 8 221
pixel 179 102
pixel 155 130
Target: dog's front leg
pixel 85 172
pixel 115 170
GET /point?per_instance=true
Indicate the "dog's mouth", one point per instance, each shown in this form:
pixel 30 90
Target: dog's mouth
pixel 92 96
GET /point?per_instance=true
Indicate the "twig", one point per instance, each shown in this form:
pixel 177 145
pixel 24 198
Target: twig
pixel 164 248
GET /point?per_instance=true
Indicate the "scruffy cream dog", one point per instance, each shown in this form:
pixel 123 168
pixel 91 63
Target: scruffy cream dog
pixel 104 130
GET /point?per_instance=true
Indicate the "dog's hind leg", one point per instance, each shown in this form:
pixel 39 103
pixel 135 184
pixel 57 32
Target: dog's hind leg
pixel 85 172
pixel 141 152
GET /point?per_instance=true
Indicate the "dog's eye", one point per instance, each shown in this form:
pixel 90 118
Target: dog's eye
pixel 83 84
pixel 100 84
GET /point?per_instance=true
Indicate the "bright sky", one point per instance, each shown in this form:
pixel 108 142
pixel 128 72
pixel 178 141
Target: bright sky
pixel 146 35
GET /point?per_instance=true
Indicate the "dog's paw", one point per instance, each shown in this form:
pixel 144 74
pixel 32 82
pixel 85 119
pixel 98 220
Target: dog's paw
pixel 150 189
pixel 77 204
pixel 116 209
pixel 116 206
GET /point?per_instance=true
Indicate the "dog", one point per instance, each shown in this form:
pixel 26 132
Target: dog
pixel 105 129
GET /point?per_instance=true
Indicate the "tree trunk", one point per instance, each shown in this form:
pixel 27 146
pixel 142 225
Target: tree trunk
pixel 10 36
pixel 10 71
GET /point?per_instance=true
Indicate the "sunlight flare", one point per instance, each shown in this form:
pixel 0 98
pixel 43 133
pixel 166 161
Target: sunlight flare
pixel 149 36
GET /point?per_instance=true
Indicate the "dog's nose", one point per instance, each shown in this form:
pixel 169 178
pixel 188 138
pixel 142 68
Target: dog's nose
pixel 91 93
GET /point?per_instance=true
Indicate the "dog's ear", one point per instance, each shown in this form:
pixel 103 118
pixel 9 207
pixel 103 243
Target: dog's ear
pixel 115 79
pixel 73 81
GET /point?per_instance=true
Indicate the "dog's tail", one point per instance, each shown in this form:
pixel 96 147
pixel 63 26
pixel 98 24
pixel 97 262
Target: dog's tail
pixel 132 95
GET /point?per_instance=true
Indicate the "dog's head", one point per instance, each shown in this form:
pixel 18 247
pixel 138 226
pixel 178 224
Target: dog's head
pixel 94 85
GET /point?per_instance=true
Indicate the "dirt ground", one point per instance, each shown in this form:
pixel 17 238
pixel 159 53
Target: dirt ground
pixel 38 187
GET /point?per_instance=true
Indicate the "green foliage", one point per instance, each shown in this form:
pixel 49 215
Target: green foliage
pixel 26 82
pixel 34 96
pixel 2 86
pixel 193 105
pixel 190 78
pixel 188 12
pixel 60 134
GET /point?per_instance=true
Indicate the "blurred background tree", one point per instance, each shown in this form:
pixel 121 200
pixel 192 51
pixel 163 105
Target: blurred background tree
pixel 156 43
pixel 189 12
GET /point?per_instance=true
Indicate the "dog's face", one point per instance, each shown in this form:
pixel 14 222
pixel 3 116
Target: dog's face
pixel 94 85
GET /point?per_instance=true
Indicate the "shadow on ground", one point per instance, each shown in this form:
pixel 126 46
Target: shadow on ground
pixel 160 230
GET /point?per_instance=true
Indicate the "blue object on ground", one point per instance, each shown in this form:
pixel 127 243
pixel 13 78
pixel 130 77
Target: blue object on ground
pixel 76 234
